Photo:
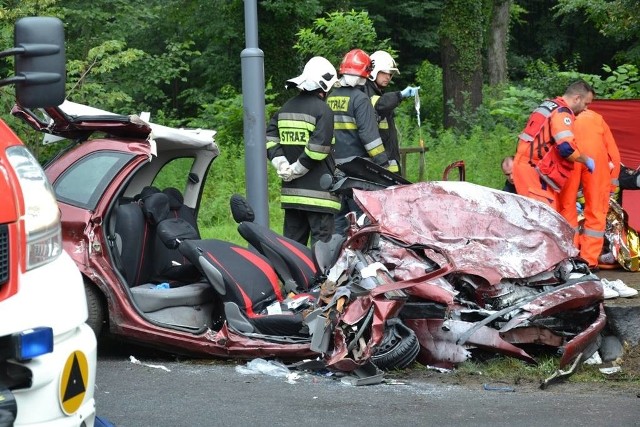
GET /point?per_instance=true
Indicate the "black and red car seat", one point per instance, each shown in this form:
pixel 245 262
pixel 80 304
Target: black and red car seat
pixel 244 280
pixel 292 261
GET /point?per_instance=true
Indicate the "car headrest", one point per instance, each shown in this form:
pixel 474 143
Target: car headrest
pixel 241 209
pixel 174 230
pixel 176 200
pixel 146 192
pixel 155 207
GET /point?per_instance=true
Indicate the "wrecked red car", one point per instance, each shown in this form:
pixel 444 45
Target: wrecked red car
pixel 435 271
pixel 484 270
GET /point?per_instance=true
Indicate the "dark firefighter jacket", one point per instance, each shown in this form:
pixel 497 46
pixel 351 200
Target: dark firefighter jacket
pixel 303 130
pixel 385 104
pixel 355 126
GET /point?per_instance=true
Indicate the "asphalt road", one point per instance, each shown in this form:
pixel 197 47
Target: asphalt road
pixel 208 393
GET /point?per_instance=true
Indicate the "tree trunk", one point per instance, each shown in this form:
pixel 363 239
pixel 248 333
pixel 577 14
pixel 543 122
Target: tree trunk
pixel 497 48
pixel 461 31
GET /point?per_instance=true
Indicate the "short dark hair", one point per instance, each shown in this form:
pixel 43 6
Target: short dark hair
pixel 579 87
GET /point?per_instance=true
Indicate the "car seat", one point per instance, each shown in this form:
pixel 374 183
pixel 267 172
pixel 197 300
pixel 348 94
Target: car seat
pixel 292 261
pixel 177 208
pixel 141 254
pixel 248 286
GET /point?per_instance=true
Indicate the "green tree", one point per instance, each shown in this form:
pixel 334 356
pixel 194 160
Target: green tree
pixel 461 41
pixel 337 33
pixel 617 19
pixel 497 42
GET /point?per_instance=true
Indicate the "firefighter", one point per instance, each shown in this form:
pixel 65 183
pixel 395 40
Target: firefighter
pixel 384 103
pixel 355 124
pixel 594 139
pixel 299 142
pixel 546 149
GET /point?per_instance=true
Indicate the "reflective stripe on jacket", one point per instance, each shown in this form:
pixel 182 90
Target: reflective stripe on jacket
pixel 549 143
pixel 355 126
pixel 384 105
pixel 302 130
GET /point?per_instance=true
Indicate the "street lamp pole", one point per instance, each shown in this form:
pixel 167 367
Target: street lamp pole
pixel 252 61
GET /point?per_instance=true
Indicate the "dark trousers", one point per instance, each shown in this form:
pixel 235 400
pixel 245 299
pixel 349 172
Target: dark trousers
pixel 299 225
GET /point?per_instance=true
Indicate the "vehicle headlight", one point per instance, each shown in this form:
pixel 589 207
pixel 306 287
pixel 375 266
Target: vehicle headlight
pixel 42 216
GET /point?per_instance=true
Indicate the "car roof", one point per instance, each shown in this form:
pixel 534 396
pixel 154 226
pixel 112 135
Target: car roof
pixel 71 120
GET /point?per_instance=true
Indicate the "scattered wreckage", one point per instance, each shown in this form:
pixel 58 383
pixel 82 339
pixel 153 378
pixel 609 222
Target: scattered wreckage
pixel 434 273
pixel 483 270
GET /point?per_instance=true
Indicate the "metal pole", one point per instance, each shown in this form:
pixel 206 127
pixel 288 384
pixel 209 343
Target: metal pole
pixel 252 61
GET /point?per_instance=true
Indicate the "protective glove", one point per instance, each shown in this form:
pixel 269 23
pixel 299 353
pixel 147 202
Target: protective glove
pixel 280 163
pixel 297 170
pixel 409 91
pixel 590 164
pixel 285 172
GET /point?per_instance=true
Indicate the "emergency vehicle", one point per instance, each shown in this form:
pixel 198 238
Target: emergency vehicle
pixel 47 352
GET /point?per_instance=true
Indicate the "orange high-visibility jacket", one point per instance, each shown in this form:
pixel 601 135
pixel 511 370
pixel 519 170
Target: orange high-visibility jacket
pixel 556 133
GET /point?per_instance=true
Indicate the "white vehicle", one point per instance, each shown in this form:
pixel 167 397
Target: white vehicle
pixel 47 352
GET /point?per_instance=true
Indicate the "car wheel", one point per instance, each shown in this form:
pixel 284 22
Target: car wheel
pixel 95 307
pixel 399 347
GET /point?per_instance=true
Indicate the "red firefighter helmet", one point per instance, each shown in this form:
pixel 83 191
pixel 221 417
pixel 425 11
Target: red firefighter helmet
pixel 356 63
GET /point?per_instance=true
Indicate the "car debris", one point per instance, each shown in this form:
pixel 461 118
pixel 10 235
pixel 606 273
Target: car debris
pixel 434 272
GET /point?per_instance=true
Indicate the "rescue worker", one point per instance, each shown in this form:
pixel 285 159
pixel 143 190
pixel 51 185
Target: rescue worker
pixel 299 142
pixel 594 139
pixel 546 149
pixel 384 103
pixel 507 170
pixel 355 125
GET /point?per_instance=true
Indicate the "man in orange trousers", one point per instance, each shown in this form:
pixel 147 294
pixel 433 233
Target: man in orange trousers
pixel 594 139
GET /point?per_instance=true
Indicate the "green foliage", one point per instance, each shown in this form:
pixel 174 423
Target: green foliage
pixel 615 18
pixel 462 25
pixel 429 78
pixel 482 153
pixel 91 78
pixel 226 114
pixel 512 105
pixel 227 177
pixel 337 33
pixel 173 174
pixel 509 369
pixel 622 82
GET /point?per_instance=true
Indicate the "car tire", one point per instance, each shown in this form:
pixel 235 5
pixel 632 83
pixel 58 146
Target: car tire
pixel 399 347
pixel 95 307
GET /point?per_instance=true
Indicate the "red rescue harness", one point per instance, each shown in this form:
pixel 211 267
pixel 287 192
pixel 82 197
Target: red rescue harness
pixel 554 170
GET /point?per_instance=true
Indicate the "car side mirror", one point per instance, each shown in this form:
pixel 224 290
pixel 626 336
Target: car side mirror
pixel 40 72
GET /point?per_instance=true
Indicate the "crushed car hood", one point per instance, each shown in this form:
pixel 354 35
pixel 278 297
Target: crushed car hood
pixel 485 232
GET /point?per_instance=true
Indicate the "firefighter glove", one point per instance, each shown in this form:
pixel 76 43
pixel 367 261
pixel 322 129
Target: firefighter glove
pixel 280 163
pixel 409 91
pixel 297 170
pixel 590 164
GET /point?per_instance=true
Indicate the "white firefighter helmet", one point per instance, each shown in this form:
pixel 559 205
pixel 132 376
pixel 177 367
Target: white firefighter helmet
pixel 382 61
pixel 318 73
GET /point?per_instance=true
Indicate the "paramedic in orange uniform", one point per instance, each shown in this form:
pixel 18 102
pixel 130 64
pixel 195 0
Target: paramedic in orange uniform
pixel 594 139
pixel 546 148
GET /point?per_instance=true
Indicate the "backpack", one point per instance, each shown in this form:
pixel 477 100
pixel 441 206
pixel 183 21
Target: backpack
pixel 554 170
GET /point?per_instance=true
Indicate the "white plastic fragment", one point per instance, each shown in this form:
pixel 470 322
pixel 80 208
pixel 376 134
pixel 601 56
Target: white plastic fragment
pixel 610 370
pixel 137 362
pixel 266 367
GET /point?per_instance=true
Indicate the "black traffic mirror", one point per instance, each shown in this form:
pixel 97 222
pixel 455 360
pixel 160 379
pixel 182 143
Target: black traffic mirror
pixel 40 72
